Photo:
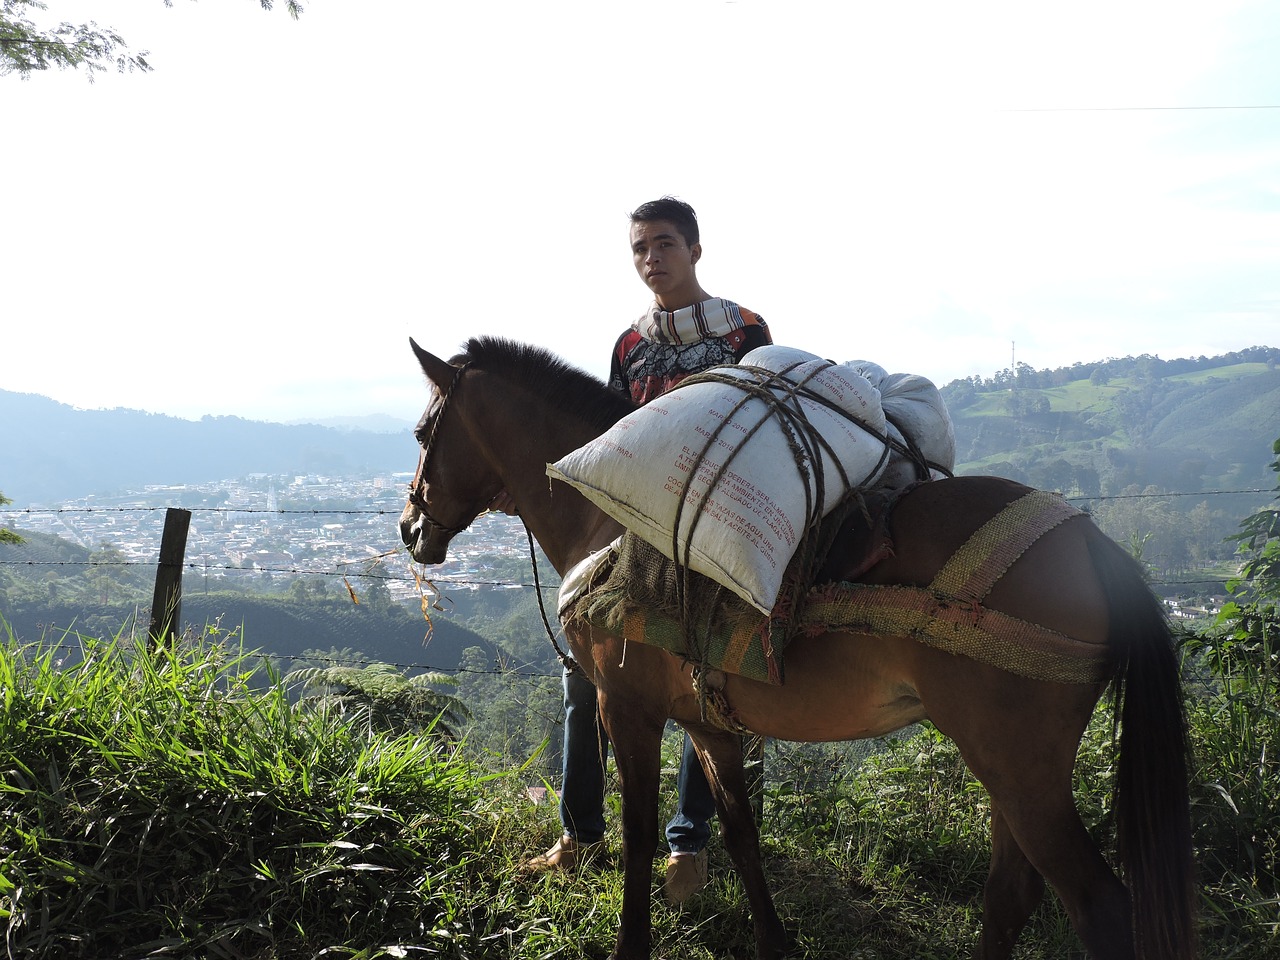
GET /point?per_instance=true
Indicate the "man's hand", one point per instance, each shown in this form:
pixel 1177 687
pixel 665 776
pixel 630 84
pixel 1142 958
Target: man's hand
pixel 503 503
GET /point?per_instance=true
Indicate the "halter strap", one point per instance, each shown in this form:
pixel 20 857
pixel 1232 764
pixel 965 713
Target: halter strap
pixel 417 495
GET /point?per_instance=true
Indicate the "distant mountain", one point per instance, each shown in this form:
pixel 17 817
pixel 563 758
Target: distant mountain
pixel 1097 427
pixel 374 423
pixel 50 451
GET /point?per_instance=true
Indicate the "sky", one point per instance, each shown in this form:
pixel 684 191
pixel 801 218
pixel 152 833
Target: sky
pixel 256 227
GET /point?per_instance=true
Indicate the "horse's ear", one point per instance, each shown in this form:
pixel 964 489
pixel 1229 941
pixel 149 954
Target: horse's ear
pixel 438 371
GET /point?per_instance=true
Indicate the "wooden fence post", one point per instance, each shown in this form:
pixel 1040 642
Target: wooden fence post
pixel 166 603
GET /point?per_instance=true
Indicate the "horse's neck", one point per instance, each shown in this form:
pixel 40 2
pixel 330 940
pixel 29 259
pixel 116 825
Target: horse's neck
pixel 566 525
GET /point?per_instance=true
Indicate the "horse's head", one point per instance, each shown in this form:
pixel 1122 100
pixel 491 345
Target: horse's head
pixel 447 492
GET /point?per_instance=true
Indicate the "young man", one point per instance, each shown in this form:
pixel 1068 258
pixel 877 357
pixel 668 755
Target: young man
pixel 684 331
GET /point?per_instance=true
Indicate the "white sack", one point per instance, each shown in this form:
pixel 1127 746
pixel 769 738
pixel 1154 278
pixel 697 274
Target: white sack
pixel 750 524
pixel 915 404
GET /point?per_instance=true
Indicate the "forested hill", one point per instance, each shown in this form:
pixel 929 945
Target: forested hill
pixel 1105 427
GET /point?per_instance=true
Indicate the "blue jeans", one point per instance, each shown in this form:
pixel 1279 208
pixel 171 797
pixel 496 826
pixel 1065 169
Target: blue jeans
pixel 582 783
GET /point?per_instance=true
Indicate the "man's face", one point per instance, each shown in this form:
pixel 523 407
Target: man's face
pixel 665 263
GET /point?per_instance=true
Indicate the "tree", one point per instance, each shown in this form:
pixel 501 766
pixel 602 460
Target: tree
pixel 1024 403
pixel 26 47
pixel 105 564
pixel 959 394
pixel 1247 630
pixel 8 536
pixel 1085 476
pixel 1055 475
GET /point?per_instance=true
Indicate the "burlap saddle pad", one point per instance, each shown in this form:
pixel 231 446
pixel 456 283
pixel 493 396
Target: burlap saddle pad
pixel 635 591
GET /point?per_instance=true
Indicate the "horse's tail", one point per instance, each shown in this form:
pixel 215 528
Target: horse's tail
pixel 1152 803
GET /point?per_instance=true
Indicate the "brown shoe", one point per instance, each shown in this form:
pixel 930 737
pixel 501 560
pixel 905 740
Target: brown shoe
pixel 566 854
pixel 686 876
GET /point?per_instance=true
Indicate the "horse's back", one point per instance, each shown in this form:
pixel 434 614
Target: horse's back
pixel 1052 584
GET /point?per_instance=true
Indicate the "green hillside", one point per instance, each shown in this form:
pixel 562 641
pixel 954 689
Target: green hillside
pixel 1168 456
pixel 1098 429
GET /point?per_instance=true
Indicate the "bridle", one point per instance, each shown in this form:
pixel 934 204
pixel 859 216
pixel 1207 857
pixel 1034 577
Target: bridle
pixel 418 498
pixel 417 495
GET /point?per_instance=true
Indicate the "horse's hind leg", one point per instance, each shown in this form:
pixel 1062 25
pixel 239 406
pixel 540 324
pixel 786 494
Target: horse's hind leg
pixel 1014 889
pixel 1049 830
pixel 1033 794
pixel 721 755
pixel 1022 746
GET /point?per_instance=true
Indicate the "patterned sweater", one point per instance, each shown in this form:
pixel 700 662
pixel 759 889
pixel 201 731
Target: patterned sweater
pixel 665 346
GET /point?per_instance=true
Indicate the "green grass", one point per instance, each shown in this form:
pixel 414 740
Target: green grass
pixel 1237 371
pixel 158 804
pixel 1081 396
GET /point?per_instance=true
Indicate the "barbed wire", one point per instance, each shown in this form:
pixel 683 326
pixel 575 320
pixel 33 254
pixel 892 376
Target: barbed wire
pixel 383 511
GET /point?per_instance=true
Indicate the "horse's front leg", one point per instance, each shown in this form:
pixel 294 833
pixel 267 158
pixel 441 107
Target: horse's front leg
pixel 721 755
pixel 637 742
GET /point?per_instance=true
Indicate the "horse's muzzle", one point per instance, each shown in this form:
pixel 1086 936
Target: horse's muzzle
pixel 415 532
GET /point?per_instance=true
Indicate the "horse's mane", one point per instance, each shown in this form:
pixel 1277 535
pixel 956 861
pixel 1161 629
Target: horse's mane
pixel 565 386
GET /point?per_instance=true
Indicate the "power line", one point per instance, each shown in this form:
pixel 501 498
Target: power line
pixel 1248 106
pixel 1141 496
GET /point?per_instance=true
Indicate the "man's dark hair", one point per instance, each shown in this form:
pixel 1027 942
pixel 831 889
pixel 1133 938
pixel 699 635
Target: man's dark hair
pixel 672 210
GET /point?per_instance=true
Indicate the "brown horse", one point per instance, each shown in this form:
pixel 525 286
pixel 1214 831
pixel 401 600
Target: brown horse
pixel 500 412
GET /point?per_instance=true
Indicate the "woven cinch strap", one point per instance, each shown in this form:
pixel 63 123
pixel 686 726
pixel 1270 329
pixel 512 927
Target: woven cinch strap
pixel 992 549
pixel 948 613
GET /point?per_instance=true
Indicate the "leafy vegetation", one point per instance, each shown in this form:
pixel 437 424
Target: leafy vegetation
pixel 1247 637
pixel 26 47
pixel 1238 721
pixel 158 803
pixel 8 536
